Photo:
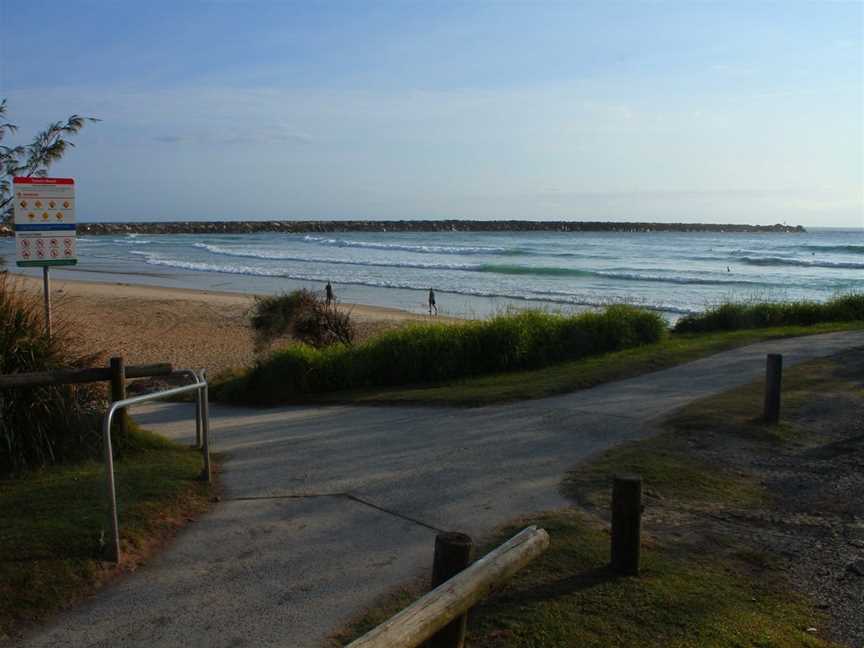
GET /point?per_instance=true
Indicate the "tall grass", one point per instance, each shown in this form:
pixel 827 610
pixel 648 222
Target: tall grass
pixel 40 425
pixel 733 316
pixel 434 352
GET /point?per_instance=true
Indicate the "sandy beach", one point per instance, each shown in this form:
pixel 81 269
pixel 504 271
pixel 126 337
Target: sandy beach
pixel 189 328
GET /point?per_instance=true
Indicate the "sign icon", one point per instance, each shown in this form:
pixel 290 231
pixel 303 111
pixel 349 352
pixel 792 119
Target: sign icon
pixel 44 215
pixel 65 204
pixel 23 204
pixel 39 204
pixel 51 204
pixel 31 215
pixel 59 215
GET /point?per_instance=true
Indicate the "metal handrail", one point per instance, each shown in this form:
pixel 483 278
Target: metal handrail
pixel 202 429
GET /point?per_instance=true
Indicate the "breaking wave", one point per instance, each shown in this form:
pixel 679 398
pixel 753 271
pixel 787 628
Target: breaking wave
pixel 801 263
pixel 556 297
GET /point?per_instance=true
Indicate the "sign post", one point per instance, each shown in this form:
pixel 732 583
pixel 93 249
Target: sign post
pixel 45 227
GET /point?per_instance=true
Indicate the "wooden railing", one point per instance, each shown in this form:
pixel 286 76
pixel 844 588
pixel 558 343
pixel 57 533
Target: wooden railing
pixel 79 376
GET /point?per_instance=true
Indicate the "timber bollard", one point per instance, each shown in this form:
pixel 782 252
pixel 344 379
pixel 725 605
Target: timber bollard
pixel 453 553
pixel 626 524
pixel 118 391
pixel 773 380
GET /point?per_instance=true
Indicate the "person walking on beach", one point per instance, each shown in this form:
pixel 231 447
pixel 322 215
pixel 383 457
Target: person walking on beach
pixel 328 292
pixel 432 302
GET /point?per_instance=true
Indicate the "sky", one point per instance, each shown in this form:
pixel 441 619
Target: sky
pixel 739 112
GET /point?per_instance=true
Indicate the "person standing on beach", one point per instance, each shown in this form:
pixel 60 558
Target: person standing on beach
pixel 432 302
pixel 328 292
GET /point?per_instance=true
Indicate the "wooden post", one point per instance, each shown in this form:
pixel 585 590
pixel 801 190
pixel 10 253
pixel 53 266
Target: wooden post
pixel 118 392
pixel 773 379
pixel 422 620
pixel 626 524
pixel 453 553
pixel 46 285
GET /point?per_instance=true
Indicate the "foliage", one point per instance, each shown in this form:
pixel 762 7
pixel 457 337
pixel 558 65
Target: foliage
pixel 564 377
pixel 303 315
pixel 732 316
pixel 40 425
pixel 34 159
pixel 433 352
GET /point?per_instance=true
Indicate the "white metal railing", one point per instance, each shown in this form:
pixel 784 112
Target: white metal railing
pixel 202 439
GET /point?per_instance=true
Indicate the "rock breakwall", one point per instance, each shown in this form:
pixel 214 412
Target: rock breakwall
pixel 301 227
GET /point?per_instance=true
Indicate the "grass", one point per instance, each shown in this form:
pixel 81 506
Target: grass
pixel 568 597
pixel 570 376
pixel 41 425
pixel 439 352
pixel 54 522
pixel 740 315
pixel 668 471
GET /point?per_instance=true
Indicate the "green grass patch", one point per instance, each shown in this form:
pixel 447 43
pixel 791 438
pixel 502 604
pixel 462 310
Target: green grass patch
pixel 568 597
pixel 732 316
pixel 567 376
pixel 668 471
pixel 54 523
pixel 738 411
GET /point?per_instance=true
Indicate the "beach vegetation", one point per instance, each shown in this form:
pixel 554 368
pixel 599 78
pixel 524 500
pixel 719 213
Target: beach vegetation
pixel 733 316
pixel 428 352
pixel 672 350
pixel 33 159
pixel 303 315
pixel 42 425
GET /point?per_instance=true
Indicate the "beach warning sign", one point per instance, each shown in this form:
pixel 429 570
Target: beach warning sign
pixel 44 221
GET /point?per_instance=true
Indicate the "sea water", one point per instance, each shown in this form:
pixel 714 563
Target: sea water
pixel 475 274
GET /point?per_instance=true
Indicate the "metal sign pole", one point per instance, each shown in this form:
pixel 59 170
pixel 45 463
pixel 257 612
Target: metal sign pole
pixel 46 284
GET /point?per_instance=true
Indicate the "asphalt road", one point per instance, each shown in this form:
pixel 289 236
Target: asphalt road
pixel 327 508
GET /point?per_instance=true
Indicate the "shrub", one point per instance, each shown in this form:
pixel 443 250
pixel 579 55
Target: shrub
pixel 41 425
pixel 303 315
pixel 731 316
pixel 434 352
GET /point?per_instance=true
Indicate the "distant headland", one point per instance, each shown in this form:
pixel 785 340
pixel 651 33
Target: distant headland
pixel 253 227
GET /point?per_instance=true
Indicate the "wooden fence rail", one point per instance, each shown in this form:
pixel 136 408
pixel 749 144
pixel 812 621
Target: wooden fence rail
pixel 425 617
pixel 76 376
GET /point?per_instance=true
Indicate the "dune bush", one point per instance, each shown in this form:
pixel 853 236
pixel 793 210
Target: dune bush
pixel 303 315
pixel 732 316
pixel 41 425
pixel 419 353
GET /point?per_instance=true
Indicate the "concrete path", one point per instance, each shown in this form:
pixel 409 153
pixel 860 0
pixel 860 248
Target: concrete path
pixel 328 507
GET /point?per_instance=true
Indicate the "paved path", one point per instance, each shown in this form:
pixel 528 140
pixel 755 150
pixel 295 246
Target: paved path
pixel 328 507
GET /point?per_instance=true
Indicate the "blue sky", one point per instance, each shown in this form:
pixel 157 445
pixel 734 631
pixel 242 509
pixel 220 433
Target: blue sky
pixel 664 111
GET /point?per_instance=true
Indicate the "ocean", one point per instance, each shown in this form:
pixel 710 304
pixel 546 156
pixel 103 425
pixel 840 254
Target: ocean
pixel 477 274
